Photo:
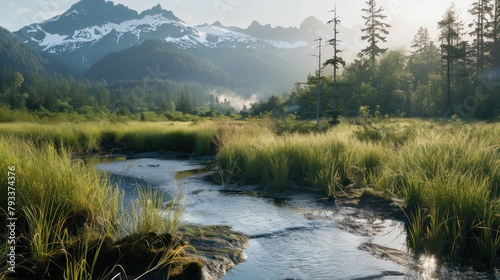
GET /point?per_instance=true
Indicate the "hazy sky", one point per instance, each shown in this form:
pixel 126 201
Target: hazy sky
pixel 405 16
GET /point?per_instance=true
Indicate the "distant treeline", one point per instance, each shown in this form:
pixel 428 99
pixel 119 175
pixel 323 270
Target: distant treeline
pixel 452 77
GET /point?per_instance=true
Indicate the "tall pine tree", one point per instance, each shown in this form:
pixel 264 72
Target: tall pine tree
pixel 496 35
pixel 375 32
pixel 482 10
pixel 450 28
pixel 424 59
pixel 184 105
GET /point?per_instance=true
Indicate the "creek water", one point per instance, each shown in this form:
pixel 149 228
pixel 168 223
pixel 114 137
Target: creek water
pixel 293 236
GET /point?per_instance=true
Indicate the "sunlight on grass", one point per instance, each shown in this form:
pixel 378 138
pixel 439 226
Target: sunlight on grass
pixel 66 210
pixel 448 175
pixel 105 136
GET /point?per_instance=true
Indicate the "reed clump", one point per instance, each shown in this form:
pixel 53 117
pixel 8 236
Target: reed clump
pixel 71 224
pixel 321 160
pixel 449 178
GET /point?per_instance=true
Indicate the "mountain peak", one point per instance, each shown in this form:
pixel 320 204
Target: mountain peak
pixel 255 24
pixel 158 9
pixel 90 2
pixel 311 23
pixel 84 14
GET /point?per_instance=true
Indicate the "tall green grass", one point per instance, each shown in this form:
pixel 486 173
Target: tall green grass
pixel 448 175
pixel 54 194
pixel 105 136
pixel 83 264
pixel 453 173
pixel 149 214
pixel 65 209
pixel 295 160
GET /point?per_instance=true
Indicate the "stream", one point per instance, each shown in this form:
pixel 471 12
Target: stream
pixel 293 236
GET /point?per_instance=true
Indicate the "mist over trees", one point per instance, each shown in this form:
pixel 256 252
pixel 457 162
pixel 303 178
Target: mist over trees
pixel 456 74
pixel 26 84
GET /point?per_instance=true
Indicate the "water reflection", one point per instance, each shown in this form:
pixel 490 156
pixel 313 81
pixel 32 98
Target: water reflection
pixel 430 268
pixel 428 265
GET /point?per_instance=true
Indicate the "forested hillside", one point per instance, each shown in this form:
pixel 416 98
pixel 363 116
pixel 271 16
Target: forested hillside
pixel 16 55
pixel 28 88
pixel 158 59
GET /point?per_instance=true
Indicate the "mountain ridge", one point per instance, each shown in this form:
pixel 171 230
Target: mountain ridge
pixel 260 58
pixel 75 35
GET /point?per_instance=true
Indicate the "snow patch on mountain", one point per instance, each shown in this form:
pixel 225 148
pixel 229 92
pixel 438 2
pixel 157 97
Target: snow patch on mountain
pixel 86 33
pixel 148 23
pixel 211 36
pixel 51 19
pixel 73 12
pixel 287 45
pixel 93 34
pixel 185 41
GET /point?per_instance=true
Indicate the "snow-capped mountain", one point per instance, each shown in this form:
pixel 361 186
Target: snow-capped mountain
pixel 91 29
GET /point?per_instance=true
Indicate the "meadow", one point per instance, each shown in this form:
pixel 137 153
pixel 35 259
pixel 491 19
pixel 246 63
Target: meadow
pixel 70 222
pixel 448 174
pixel 113 137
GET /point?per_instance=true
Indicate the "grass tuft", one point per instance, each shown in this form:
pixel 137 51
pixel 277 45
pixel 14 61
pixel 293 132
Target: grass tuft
pixel 65 209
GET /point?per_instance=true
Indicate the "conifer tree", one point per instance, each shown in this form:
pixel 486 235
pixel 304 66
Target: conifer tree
pixel 450 28
pixel 495 53
pixel 482 10
pixel 183 103
pixel 424 59
pixel 335 61
pixel 375 32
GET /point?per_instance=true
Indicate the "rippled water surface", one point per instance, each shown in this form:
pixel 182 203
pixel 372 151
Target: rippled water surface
pixel 293 236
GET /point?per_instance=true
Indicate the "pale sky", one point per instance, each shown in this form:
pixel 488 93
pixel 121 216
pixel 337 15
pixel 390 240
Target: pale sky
pixel 405 16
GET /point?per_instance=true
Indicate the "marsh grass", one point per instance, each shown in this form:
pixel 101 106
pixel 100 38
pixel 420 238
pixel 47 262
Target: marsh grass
pixel 103 136
pixel 149 213
pixel 319 160
pixel 82 264
pixel 489 241
pixel 416 230
pixel 279 169
pixel 447 174
pixel 45 230
pixel 65 210
pixel 4 250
